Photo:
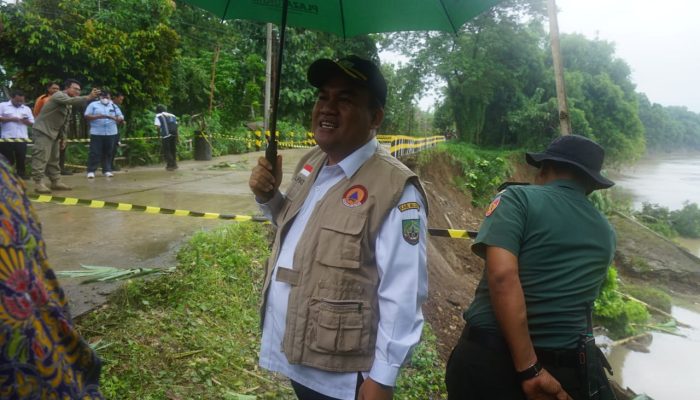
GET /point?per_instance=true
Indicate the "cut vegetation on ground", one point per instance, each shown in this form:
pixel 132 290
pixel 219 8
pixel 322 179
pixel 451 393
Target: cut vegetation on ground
pixel 194 333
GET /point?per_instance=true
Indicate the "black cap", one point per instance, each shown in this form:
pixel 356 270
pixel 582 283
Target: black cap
pixel 576 150
pixel 357 69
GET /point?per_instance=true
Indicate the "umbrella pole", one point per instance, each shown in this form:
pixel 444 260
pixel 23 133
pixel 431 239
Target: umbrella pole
pixel 271 151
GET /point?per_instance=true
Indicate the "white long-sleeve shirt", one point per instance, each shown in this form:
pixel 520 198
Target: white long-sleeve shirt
pixel 15 130
pixel 403 287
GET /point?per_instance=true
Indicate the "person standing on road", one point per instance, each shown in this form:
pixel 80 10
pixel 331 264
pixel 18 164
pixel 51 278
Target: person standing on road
pixel 347 276
pixel 166 124
pixel 52 88
pixel 15 118
pixel 103 117
pixel 48 135
pixel 547 250
pixel 42 354
pixel 117 101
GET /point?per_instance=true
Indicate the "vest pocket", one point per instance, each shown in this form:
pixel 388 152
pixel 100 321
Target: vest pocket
pixel 340 240
pixel 339 327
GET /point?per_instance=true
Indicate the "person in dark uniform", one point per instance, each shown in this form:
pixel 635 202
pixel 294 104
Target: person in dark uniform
pixel 547 250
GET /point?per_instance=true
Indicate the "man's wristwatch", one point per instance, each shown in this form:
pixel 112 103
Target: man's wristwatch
pixel 530 372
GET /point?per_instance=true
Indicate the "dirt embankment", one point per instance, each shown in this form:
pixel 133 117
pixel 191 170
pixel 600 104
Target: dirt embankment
pixel 454 272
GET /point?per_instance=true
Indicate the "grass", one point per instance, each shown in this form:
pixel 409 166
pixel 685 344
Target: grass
pixel 194 333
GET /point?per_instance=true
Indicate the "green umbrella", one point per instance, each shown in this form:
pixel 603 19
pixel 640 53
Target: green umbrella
pixel 345 18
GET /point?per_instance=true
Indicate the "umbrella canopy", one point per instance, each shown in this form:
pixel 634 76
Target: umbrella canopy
pixel 347 18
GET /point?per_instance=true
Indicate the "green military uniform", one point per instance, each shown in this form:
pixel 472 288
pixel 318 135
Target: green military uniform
pixel 564 247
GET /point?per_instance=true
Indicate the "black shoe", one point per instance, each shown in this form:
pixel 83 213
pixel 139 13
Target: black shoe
pixel 66 172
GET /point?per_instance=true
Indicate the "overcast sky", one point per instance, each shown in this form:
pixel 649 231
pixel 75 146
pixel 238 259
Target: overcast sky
pixel 660 40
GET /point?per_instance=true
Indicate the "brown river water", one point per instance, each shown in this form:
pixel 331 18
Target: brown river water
pixel 669 370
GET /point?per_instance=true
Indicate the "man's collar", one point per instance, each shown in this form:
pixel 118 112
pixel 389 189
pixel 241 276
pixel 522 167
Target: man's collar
pixel 567 183
pixel 354 161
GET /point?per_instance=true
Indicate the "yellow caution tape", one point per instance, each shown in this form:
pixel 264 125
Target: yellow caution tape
pixel 72 201
pixel 11 140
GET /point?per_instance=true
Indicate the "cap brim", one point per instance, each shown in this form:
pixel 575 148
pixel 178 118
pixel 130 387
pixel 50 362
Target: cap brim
pixel 323 69
pixel 600 182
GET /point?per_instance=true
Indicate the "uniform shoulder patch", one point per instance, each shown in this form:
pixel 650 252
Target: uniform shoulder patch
pixel 411 205
pixel 493 205
pixel 411 230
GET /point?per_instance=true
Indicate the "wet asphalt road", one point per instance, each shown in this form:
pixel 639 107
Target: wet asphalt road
pixel 77 235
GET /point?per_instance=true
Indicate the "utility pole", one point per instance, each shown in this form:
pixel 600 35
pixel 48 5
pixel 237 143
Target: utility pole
pixel 268 80
pixel 564 120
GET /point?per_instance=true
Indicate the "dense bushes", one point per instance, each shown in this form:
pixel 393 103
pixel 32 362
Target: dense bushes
pixel 684 222
pixel 620 316
pixel 482 170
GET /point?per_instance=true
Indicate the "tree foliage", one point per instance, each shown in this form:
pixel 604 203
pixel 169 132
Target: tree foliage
pixel 497 72
pixel 124 45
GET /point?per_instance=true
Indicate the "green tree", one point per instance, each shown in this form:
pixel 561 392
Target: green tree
pixel 599 86
pixel 123 45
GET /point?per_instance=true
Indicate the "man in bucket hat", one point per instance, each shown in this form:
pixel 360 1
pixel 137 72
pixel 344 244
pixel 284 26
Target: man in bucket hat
pixel 347 274
pixel 547 250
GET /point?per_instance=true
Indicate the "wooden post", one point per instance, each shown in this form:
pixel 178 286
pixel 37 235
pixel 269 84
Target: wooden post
pixel 212 84
pixel 564 120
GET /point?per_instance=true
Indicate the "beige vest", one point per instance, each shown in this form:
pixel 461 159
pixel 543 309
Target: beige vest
pixel 333 313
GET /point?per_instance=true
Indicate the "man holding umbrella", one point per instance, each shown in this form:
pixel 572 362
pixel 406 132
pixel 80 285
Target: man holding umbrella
pixel 347 275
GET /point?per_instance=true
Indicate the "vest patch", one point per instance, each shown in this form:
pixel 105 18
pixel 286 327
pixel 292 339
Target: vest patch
pixel 307 170
pixel 411 205
pixel 411 230
pixel 355 196
pixel 493 205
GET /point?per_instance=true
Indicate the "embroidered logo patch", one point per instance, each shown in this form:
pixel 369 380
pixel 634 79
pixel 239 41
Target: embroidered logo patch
pixel 355 196
pixel 411 205
pixel 493 205
pixel 411 230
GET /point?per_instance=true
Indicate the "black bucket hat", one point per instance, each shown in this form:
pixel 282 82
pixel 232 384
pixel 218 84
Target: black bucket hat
pixel 576 150
pixel 357 69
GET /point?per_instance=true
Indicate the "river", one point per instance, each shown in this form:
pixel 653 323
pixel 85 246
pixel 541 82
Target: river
pixel 668 371
pixel 667 181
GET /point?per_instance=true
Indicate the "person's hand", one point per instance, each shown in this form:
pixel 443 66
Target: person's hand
pixel 544 387
pixel 371 390
pixel 94 93
pixel 262 181
pixel 62 143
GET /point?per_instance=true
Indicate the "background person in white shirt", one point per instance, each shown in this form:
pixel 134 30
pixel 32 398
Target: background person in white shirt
pixel 103 117
pixel 15 118
pixel 348 110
